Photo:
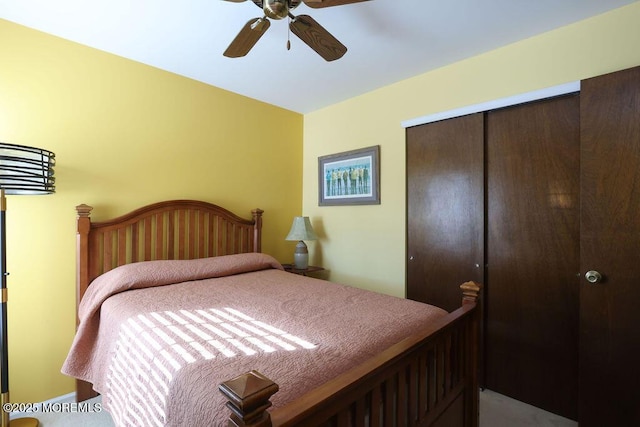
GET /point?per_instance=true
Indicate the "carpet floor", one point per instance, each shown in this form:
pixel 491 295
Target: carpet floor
pixel 496 410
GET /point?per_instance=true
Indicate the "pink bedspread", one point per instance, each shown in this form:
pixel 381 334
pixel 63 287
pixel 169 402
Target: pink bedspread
pixel 156 338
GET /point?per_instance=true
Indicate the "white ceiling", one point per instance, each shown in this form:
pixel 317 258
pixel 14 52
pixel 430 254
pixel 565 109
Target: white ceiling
pixel 388 40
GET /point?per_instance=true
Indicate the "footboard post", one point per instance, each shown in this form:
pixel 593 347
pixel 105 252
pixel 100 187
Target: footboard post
pixel 248 396
pixel 470 291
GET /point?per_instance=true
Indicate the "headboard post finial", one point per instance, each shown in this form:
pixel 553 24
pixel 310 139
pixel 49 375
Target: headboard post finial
pixel 84 210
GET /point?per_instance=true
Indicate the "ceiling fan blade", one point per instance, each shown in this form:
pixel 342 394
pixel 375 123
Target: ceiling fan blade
pixel 317 4
pixel 257 2
pixel 317 38
pixel 247 37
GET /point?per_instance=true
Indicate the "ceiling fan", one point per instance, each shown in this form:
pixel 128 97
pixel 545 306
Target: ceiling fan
pixel 303 26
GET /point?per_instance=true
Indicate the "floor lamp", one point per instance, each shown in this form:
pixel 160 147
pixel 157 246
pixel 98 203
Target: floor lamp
pixel 23 170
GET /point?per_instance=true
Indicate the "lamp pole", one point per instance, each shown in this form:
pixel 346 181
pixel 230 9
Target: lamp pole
pixel 4 362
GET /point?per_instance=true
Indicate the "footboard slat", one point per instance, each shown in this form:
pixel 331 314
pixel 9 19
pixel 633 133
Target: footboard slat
pixel 413 398
pixel 389 396
pixel 423 386
pixel 448 371
pixel 361 411
pixel 428 377
pixel 440 370
pixel 403 402
pixel 376 414
pixel 343 418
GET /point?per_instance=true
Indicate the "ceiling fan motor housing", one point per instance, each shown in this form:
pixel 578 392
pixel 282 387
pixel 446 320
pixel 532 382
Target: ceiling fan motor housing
pixel 277 9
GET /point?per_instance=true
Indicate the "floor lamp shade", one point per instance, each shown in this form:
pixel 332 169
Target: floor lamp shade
pixel 301 230
pixel 26 170
pixel 23 170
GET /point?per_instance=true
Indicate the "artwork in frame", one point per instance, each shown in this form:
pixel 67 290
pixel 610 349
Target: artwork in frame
pixel 350 178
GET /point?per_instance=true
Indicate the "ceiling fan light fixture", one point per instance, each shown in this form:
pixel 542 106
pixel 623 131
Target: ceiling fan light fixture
pixel 276 9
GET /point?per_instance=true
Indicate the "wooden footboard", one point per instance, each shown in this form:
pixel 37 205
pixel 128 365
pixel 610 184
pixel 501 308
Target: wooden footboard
pixel 428 379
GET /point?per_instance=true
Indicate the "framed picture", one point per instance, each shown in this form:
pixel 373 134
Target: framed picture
pixel 350 178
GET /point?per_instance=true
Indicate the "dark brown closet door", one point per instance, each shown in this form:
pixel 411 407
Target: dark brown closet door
pixel 445 218
pixel 610 226
pixel 533 253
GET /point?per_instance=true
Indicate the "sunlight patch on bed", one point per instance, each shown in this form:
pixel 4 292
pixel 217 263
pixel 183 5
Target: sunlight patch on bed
pixel 203 351
pixel 153 347
pixel 239 345
pixel 261 345
pixel 236 331
pixel 285 345
pixel 238 314
pixel 224 315
pixel 219 332
pixel 208 316
pixel 184 353
pixel 222 348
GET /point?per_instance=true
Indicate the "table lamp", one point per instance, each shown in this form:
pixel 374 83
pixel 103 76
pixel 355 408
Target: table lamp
pixel 301 230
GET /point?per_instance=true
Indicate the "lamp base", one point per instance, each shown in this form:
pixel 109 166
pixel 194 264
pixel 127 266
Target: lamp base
pixel 301 256
pixel 24 422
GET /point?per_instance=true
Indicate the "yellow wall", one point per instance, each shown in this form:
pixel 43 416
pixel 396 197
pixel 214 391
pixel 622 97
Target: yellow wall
pixel 365 245
pixel 124 135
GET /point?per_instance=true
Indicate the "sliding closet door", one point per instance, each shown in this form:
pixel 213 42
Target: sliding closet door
pixel 445 213
pixel 610 307
pixel 533 253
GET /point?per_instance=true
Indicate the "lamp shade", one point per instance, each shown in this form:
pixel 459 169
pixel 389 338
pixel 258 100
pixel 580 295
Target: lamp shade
pixel 301 229
pixel 26 170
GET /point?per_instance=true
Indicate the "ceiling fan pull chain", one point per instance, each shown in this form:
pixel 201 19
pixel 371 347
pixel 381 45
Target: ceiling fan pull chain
pixel 289 34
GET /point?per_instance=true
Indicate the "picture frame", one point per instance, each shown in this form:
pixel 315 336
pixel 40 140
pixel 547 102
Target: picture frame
pixel 350 178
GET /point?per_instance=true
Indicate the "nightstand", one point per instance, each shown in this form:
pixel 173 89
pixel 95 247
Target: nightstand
pixel 291 269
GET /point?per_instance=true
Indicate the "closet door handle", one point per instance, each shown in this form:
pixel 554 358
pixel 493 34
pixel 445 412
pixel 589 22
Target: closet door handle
pixel 593 276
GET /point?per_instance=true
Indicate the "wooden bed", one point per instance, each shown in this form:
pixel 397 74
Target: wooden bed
pixel 426 379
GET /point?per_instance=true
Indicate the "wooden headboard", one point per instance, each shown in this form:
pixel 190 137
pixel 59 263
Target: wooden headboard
pixel 175 229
